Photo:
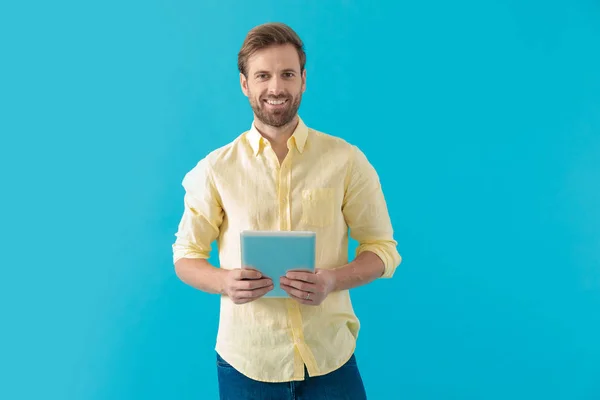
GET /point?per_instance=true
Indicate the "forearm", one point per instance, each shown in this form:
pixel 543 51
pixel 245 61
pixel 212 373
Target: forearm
pixel 362 270
pixel 200 274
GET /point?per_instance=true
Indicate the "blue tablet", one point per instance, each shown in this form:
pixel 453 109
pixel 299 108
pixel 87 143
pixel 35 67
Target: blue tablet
pixel 274 253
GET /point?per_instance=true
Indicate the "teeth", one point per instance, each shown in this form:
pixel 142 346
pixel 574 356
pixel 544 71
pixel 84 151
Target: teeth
pixel 275 102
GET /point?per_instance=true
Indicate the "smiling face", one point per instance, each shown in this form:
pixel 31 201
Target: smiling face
pixel 274 84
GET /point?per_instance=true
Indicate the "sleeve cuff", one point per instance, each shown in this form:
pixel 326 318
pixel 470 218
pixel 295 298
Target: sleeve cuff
pixel 388 254
pixel 178 255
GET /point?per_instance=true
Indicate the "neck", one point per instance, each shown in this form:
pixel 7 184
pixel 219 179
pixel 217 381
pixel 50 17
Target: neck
pixel 278 136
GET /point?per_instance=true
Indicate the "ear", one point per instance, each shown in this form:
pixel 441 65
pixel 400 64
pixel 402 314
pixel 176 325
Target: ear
pixel 244 84
pixel 304 80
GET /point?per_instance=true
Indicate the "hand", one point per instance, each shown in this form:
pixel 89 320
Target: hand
pixel 245 285
pixel 314 285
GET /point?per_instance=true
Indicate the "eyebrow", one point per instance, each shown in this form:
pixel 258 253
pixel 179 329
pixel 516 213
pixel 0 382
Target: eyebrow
pixel 285 70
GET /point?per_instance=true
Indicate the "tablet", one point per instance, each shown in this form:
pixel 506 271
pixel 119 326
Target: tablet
pixel 274 253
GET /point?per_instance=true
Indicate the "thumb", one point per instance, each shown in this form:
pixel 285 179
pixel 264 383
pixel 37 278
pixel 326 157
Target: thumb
pixel 250 273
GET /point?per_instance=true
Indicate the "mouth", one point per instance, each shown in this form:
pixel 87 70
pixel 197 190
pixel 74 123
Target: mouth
pixel 275 104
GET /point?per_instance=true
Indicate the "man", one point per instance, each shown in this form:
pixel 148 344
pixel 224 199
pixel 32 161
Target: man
pixel 282 175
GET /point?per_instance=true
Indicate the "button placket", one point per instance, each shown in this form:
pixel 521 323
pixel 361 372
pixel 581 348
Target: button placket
pixel 284 193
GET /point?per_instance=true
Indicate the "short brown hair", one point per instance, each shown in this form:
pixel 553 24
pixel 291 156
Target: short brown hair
pixel 269 34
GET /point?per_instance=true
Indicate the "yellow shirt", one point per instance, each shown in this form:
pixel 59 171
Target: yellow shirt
pixel 325 185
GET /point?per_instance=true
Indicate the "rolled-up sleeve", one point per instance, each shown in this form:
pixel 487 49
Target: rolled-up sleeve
pixel 202 215
pixel 366 213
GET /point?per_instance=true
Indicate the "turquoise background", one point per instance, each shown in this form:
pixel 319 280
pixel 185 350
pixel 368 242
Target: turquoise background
pixel 482 118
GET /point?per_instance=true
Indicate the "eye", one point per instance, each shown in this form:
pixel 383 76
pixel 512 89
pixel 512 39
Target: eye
pixel 261 76
pixel 288 74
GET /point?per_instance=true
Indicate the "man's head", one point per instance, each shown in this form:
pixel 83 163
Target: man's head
pixel 272 72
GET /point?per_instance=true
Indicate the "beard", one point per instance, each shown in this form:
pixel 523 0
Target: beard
pixel 275 118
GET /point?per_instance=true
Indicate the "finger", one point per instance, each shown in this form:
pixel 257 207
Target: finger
pixel 253 294
pixel 297 294
pixel 247 273
pixel 302 276
pixel 252 284
pixel 300 285
pixel 302 300
pixel 262 292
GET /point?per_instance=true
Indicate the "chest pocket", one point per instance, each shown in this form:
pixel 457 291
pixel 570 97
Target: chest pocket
pixel 318 206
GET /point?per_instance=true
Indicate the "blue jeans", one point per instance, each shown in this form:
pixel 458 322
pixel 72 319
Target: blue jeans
pixel 345 383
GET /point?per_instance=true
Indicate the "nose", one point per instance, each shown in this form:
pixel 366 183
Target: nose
pixel 276 86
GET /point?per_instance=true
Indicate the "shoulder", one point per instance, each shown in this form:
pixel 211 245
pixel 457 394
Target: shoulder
pixel 329 143
pixel 326 142
pixel 347 155
pixel 225 154
pixel 222 155
pixel 328 139
pixel 215 160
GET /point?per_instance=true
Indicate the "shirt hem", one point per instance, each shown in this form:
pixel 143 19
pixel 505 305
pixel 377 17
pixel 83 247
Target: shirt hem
pixel 218 349
pixel 345 360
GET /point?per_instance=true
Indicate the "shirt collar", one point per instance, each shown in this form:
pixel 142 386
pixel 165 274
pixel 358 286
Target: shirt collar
pixel 298 138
